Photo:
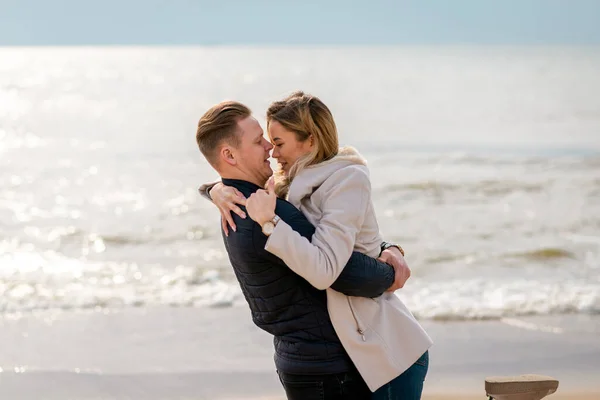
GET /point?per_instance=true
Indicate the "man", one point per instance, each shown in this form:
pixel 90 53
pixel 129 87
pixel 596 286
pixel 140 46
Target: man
pixel 283 303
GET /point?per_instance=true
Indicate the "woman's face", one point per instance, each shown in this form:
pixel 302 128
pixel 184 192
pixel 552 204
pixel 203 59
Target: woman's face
pixel 287 149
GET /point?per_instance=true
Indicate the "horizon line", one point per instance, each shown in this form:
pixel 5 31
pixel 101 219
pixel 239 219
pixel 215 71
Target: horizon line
pixel 278 45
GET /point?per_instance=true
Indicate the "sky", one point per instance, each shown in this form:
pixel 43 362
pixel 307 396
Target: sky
pixel 290 22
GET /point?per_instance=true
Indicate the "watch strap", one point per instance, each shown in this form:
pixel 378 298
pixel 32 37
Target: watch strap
pixel 387 245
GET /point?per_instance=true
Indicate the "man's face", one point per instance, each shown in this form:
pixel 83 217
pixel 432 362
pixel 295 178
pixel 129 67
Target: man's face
pixel 252 155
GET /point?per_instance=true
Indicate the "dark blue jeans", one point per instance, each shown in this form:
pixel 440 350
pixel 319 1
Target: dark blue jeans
pixel 344 386
pixel 407 386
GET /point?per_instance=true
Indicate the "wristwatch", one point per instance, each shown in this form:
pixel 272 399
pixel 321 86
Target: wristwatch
pixel 386 245
pixel 269 226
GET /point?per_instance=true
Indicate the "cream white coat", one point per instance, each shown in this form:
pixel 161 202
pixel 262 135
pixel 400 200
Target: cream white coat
pixel 381 335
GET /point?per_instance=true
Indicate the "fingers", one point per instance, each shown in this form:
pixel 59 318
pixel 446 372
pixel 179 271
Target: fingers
pixel 238 211
pixel 388 258
pixel 394 286
pixel 401 275
pixel 271 185
pixel 394 262
pixel 399 279
pixel 224 225
pixel 404 275
pixel 231 194
pixel 241 199
pixel 385 258
pixel 238 198
pixel 401 282
pixel 227 221
pixel 233 198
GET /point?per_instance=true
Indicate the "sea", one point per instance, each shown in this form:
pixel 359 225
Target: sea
pixel 485 167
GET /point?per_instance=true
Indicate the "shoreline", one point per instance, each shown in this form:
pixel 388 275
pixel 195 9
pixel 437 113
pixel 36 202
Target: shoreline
pixel 202 353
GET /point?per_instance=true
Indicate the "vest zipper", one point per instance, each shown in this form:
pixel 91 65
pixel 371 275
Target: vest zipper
pixel 360 331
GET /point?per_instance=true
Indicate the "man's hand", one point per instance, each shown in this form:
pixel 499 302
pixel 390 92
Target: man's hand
pixel 394 257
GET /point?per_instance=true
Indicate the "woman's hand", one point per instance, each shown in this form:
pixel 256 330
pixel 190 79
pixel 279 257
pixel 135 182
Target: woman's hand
pixel 226 199
pixel 261 204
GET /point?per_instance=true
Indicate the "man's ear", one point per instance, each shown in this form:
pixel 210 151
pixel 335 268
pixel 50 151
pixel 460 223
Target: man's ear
pixel 226 155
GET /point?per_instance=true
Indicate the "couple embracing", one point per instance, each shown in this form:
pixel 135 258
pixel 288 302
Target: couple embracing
pixel 305 246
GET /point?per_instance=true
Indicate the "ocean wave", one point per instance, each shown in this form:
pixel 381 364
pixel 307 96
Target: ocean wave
pixel 22 298
pixel 476 299
pixel 50 281
pixel 536 158
pixel 543 254
pixel 67 235
pixel 127 240
pixel 56 283
pixel 485 187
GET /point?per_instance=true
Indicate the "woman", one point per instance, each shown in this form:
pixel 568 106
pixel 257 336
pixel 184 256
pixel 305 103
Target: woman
pixel 331 187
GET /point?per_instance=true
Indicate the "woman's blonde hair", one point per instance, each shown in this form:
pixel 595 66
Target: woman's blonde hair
pixel 308 117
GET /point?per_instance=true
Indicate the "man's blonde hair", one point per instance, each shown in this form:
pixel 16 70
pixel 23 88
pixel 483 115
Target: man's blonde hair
pixel 218 125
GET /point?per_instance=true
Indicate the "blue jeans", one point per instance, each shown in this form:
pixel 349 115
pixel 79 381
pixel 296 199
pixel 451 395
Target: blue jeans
pixel 343 386
pixel 407 386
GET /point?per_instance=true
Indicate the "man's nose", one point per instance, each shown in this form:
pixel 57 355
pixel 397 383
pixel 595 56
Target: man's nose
pixel 268 145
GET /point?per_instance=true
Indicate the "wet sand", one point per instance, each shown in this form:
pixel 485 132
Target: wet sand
pixel 193 353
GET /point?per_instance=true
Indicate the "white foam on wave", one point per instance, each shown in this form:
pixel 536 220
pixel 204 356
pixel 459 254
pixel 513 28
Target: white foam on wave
pixel 492 299
pixel 38 281
pixel 31 281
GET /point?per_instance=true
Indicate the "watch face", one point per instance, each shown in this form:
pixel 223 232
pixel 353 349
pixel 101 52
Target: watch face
pixel 268 228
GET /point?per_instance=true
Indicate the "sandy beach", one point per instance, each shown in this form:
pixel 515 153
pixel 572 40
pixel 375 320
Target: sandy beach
pixel 568 396
pixel 191 353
